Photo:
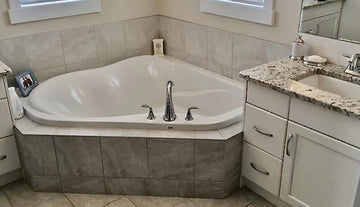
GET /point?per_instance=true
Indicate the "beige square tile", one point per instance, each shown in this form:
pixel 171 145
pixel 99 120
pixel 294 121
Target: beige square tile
pixel 58 201
pixel 219 47
pixel 91 200
pixel 219 69
pixel 173 32
pixel 84 65
pixel 150 201
pixel 249 52
pixel 234 200
pixel 196 61
pixel 110 60
pixel 121 202
pixel 44 50
pixel 20 195
pixel 46 74
pixel 12 53
pixel 195 40
pixel 79 44
pixel 139 33
pixel 4 202
pixel 181 55
pixel 110 39
pixel 138 52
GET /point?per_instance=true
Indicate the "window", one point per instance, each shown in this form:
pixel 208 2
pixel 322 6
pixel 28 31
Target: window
pixel 259 11
pixel 33 10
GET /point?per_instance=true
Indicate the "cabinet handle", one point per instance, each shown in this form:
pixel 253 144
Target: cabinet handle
pixel 290 137
pixel 260 171
pixel 263 133
pixel 3 157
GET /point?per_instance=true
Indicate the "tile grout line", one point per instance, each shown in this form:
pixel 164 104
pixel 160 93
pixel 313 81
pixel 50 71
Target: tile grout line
pixel 102 163
pixel 6 196
pixel 127 198
pixel 68 199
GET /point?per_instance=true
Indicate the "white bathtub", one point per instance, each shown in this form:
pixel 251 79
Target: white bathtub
pixel 111 96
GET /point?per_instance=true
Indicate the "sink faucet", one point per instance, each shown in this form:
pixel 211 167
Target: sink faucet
pixel 169 106
pixel 352 67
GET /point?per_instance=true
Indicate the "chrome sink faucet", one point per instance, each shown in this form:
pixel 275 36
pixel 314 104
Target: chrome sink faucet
pixel 169 106
pixel 352 67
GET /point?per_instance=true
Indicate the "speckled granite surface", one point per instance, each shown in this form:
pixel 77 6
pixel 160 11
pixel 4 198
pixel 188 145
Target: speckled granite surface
pixel 314 3
pixel 282 75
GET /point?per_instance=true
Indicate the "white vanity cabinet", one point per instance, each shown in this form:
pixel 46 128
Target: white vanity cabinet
pixel 298 152
pixel 319 170
pixel 9 159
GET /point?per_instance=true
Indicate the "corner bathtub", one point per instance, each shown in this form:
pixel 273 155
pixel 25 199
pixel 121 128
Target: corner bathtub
pixel 111 96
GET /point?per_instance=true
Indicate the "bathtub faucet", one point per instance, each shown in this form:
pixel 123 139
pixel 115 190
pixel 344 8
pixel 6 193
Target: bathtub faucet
pixel 169 106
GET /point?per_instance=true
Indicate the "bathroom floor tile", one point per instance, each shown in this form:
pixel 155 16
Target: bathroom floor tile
pixel 21 195
pixel 149 201
pixel 58 201
pixel 4 202
pixel 91 200
pixel 121 202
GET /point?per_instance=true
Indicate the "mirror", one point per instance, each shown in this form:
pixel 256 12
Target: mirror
pixel 338 19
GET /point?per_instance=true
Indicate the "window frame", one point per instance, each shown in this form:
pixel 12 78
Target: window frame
pixel 20 14
pixel 264 14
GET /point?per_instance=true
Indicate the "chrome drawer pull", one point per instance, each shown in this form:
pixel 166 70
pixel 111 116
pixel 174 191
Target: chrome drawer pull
pixel 3 157
pixel 263 133
pixel 260 171
pixel 288 143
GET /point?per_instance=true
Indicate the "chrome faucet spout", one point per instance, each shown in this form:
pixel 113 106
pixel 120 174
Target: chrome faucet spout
pixel 352 67
pixel 169 106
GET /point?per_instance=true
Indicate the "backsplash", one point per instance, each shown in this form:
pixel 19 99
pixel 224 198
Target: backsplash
pixel 332 49
pixel 223 52
pixel 53 53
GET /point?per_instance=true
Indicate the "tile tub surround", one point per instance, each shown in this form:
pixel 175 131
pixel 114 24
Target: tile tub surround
pixel 220 51
pixel 132 162
pixel 281 75
pixel 54 53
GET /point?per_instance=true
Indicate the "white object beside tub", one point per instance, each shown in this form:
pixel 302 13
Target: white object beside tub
pixel 16 106
pixel 112 96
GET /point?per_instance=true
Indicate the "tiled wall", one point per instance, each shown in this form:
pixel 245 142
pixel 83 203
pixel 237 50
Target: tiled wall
pixel 54 53
pixel 332 49
pixel 217 50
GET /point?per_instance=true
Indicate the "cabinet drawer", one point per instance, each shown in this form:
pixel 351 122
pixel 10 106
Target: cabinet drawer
pixel 268 99
pixel 2 88
pixel 5 119
pixel 261 168
pixel 9 159
pixel 265 130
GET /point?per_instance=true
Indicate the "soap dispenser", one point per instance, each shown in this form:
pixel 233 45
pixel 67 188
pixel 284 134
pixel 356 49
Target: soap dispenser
pixel 298 49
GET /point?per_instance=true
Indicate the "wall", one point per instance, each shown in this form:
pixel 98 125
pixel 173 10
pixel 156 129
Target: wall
pixel 113 10
pixel 284 31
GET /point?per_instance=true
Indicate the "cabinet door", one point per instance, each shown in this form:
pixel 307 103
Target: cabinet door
pixel 318 170
pixel 326 26
pixel 5 119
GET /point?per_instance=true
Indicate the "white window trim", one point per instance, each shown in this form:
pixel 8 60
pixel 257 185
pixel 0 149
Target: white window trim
pixel 258 14
pixel 20 14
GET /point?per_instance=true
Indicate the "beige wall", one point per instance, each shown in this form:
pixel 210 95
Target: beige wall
pixel 113 10
pixel 285 30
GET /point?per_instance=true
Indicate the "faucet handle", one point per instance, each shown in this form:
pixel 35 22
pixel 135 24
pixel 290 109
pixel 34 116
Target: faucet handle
pixel 151 115
pixel 189 116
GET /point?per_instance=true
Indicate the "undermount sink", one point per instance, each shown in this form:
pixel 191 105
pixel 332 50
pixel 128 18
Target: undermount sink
pixel 333 85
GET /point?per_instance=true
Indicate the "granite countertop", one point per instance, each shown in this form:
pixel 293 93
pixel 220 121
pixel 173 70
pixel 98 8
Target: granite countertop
pixel 313 3
pixel 282 75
